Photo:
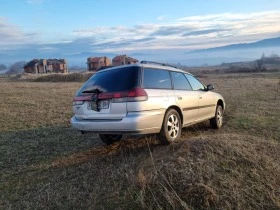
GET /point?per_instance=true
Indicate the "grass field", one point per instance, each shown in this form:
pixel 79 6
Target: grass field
pixel 46 164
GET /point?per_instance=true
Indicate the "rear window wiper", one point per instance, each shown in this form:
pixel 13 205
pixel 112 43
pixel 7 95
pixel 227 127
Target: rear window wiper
pixel 96 90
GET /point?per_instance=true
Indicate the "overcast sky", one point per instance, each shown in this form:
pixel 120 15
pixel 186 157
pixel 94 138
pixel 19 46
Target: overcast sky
pixel 123 26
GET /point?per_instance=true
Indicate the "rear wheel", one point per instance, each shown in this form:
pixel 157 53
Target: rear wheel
pixel 217 121
pixel 110 138
pixel 171 127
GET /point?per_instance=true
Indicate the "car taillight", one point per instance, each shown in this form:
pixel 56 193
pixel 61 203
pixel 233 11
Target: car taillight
pixel 136 94
pixel 79 100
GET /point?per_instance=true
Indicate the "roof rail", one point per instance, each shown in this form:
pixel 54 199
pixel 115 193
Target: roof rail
pixel 162 64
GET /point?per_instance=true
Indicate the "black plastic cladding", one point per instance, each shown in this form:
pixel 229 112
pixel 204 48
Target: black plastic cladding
pixel 162 64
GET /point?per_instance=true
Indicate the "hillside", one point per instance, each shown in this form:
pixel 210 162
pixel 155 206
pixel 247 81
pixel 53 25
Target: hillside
pixel 47 165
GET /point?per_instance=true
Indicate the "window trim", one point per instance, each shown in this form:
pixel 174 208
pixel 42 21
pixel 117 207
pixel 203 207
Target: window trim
pixel 173 81
pixel 156 69
pixel 197 80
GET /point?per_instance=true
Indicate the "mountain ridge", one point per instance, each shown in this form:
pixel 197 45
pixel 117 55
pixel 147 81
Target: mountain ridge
pixel 264 43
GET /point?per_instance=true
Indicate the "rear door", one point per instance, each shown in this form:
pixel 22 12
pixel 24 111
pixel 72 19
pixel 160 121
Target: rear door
pixel 157 83
pixel 185 97
pixel 107 83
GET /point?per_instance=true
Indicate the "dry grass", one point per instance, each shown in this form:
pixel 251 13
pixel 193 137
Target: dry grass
pixel 46 164
pixel 73 77
pixel 27 105
pixel 252 102
pixel 52 77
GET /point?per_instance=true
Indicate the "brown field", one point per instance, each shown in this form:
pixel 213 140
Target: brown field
pixel 46 164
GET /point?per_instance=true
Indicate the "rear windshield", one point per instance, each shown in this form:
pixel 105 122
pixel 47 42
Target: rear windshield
pixel 117 80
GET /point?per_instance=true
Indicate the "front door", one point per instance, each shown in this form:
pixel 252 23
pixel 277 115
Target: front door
pixel 206 105
pixel 186 98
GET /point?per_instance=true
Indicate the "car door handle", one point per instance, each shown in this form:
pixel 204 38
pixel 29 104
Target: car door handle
pixel 179 97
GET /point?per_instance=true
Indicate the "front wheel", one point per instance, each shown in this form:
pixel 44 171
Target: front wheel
pixel 171 127
pixel 110 138
pixel 217 121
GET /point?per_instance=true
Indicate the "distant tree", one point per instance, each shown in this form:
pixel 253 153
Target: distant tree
pixel 272 59
pixel 16 68
pixel 259 64
pixel 2 67
pixel 204 65
pixel 274 55
pixel 179 65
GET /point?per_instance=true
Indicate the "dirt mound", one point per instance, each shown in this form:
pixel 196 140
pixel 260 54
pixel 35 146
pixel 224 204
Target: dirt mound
pixel 226 171
pixel 74 77
pixel 71 77
pixel 216 171
pixel 223 171
pixel 25 77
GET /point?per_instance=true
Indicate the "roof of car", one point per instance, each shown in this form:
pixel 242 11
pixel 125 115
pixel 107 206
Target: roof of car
pixel 153 65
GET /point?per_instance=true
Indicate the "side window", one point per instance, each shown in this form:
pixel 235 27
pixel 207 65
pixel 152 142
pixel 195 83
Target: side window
pixel 180 82
pixel 196 85
pixel 156 79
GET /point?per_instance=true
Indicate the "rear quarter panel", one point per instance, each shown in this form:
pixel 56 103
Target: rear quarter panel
pixel 158 101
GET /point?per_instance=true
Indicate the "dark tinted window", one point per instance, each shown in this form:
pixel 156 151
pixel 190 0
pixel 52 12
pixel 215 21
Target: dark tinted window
pixel 180 82
pixel 196 85
pixel 116 80
pixel 158 79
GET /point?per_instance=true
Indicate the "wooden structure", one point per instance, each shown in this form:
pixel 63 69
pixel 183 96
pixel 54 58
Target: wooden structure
pixel 40 66
pixel 95 63
pixel 123 60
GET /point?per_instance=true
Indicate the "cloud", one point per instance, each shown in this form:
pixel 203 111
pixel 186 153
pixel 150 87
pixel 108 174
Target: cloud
pixel 185 33
pixel 160 17
pixel 171 30
pixel 191 32
pixel 204 32
pixel 48 49
pixel 12 35
pixel 122 43
pixel 34 1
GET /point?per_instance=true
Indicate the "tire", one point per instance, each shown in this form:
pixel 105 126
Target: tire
pixel 110 138
pixel 171 127
pixel 217 121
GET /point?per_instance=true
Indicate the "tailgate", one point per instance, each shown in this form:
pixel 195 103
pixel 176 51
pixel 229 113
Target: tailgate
pixel 107 110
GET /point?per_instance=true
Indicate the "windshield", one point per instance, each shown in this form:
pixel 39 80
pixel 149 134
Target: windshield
pixel 117 80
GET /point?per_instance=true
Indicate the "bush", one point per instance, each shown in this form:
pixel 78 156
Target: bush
pixel 75 77
pixel 16 68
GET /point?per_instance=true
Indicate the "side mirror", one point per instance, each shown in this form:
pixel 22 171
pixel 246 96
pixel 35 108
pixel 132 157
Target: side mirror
pixel 210 87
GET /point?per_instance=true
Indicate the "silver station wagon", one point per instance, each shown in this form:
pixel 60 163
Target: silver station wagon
pixel 144 98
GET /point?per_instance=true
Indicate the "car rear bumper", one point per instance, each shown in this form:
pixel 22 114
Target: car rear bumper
pixel 134 123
